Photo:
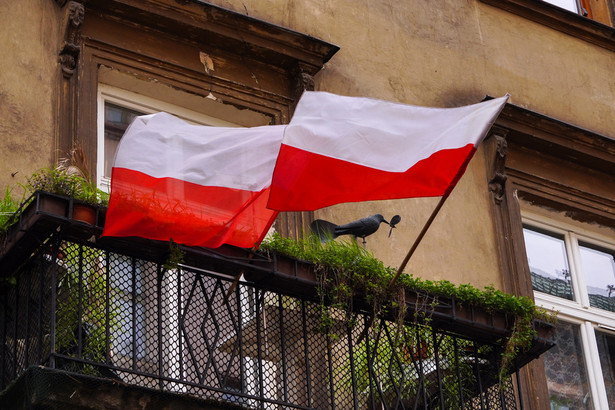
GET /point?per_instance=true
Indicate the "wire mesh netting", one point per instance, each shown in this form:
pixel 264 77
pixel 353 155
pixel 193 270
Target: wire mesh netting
pixel 82 309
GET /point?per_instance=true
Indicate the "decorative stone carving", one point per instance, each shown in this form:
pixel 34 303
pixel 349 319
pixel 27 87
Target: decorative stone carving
pixel 498 179
pixel 69 54
pixel 303 82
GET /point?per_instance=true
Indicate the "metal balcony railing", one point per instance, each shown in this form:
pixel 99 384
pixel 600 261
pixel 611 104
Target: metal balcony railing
pixel 83 308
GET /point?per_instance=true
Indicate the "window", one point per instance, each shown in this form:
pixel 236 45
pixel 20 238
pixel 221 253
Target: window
pixel 573 272
pixel 116 110
pixel 571 5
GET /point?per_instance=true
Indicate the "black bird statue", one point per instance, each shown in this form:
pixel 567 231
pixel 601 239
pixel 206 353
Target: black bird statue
pixel 359 229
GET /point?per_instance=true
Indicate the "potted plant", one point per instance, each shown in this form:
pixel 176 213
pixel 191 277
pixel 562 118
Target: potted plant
pixel 70 178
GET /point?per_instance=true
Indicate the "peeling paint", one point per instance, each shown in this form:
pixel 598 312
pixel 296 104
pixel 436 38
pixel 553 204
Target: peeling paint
pixel 207 62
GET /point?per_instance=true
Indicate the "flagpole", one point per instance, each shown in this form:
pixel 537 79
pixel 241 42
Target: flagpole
pixel 418 240
pixel 415 245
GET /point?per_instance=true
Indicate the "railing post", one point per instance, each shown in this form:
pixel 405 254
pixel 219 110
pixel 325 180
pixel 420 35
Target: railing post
pixel 55 249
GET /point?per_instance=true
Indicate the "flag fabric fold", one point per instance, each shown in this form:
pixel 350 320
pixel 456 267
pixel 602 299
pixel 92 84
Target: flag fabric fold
pixel 350 149
pixel 198 185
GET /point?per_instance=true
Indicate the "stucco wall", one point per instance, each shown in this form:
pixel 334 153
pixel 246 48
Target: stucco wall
pixel 448 53
pixel 440 53
pixel 28 80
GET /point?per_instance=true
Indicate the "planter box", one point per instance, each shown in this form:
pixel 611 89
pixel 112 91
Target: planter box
pixel 285 274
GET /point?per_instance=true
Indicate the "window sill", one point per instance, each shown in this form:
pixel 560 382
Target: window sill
pixel 561 20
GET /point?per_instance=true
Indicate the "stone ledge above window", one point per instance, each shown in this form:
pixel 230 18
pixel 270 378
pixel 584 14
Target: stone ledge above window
pixel 560 19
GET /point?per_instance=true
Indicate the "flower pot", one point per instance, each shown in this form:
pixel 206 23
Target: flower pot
pixel 84 213
pixel 51 204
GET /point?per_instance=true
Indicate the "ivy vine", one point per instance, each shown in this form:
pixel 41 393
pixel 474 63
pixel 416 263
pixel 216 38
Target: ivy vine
pixel 345 268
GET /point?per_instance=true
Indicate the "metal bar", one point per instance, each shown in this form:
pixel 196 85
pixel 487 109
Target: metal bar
pixel 54 295
pixel 15 329
pixel 457 366
pixel 436 354
pixel 353 378
pixel 107 310
pixel 179 323
pixel 40 302
pixel 330 363
pixel 259 349
pixel 479 378
pixel 27 322
pixel 202 387
pixel 80 304
pixel 3 360
pixel 308 377
pixel 159 281
pixel 242 376
pixel 283 348
pixel 134 311
pixel 366 325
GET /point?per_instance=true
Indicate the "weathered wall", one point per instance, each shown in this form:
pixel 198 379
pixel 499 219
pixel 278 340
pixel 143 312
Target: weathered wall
pixel 441 53
pixel 447 53
pixel 28 80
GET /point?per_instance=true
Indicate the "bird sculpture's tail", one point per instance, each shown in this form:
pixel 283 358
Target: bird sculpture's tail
pixel 325 230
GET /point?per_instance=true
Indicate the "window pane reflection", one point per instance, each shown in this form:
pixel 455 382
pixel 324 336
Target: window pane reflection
pixel 565 4
pixel 565 369
pixel 117 119
pixel 546 256
pixel 606 351
pixel 599 269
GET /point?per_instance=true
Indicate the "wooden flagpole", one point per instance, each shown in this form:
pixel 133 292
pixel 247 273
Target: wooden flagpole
pixel 415 245
pixel 418 240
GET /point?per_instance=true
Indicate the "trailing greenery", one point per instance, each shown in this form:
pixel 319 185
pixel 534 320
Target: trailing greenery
pixel 8 207
pixel 346 268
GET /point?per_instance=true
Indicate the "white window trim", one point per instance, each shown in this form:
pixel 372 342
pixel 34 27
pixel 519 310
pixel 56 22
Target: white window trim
pixel 579 312
pixel 141 103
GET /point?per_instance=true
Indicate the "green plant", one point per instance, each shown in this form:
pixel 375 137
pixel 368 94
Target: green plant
pixel 82 317
pixel 346 269
pixel 8 207
pixel 175 256
pixel 71 178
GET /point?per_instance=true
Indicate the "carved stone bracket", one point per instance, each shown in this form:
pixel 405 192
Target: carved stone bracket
pixel 303 82
pixel 498 177
pixel 69 54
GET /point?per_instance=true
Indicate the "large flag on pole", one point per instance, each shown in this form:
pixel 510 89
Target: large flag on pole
pixel 349 149
pixel 198 185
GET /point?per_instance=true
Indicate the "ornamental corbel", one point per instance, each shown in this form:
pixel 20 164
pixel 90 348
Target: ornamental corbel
pixel 71 48
pixel 498 177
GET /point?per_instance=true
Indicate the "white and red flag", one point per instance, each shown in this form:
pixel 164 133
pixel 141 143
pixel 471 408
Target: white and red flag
pixel 350 149
pixel 198 185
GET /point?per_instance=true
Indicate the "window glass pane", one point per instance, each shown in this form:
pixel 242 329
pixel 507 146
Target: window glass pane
pixel 546 256
pixel 117 119
pixel 606 351
pixel 565 369
pixel 565 4
pixel 599 270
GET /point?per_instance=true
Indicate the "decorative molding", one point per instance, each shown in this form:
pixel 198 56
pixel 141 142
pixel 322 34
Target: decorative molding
pixel 303 82
pixel 69 54
pixel 498 175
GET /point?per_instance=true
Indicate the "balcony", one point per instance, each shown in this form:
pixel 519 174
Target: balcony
pixel 89 312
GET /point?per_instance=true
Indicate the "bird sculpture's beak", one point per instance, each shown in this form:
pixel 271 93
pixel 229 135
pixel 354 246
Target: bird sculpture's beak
pixel 394 221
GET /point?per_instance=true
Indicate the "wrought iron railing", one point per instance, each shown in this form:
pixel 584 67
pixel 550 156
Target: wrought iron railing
pixel 82 308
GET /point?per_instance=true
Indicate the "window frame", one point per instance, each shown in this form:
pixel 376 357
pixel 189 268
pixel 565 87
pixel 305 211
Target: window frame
pixel 579 312
pixel 525 153
pixel 147 105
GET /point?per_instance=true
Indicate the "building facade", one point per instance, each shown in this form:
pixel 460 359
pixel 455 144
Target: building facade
pixel 534 214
